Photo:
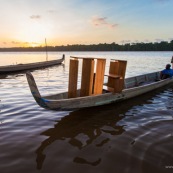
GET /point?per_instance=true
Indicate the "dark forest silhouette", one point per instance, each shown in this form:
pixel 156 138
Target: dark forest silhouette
pixel 161 46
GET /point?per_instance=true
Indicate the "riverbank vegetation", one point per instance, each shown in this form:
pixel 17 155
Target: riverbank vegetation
pixel 156 46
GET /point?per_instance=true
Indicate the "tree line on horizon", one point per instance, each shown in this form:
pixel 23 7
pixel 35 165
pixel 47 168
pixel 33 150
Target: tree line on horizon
pixel 162 46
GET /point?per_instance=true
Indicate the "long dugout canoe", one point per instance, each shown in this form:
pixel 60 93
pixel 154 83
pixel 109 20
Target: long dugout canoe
pixel 134 86
pixel 29 66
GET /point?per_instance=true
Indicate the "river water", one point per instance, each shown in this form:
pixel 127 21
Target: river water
pixel 135 136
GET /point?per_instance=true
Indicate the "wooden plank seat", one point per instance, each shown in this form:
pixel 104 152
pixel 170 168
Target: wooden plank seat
pixel 116 81
pixel 108 89
pixel 113 76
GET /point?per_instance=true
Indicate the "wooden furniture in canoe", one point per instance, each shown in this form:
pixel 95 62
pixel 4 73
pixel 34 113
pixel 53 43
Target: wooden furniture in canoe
pixel 29 66
pixel 76 99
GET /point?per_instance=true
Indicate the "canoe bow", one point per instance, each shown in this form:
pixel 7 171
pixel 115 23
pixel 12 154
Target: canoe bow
pixel 34 90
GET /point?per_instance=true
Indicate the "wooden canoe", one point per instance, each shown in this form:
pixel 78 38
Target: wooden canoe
pixel 134 86
pixel 29 66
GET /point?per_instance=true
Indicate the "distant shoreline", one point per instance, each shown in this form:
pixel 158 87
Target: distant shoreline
pixel 162 46
pixel 87 51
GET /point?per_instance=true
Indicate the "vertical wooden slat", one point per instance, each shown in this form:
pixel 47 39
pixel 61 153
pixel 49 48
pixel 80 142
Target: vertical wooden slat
pixel 121 72
pixel 93 82
pixel 99 76
pixel 122 68
pixel 118 85
pixel 87 77
pixel 113 69
pixel 73 76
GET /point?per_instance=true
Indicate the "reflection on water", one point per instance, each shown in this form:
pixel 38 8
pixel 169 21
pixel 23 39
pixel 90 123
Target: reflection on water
pixel 3 76
pixel 135 136
pixel 81 129
pixel 120 134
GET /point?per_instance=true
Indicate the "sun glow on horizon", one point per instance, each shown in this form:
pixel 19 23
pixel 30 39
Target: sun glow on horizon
pixel 32 34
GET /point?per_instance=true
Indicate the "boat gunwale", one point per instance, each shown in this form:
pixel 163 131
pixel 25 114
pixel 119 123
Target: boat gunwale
pixel 126 90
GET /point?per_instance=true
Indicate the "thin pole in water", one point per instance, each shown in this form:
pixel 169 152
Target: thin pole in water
pixel 172 62
pixel 46 50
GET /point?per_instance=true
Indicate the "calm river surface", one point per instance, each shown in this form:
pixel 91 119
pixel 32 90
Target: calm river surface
pixel 135 136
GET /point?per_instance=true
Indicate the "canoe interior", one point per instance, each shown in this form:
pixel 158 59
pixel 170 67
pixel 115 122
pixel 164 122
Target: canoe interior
pixel 129 83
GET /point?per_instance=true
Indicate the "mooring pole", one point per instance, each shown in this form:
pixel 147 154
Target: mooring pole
pixel 46 50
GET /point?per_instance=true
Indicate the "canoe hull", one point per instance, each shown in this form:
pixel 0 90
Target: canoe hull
pixel 24 67
pixel 103 99
pixel 57 102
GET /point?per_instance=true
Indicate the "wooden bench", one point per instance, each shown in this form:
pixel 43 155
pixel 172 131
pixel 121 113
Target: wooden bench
pixel 108 89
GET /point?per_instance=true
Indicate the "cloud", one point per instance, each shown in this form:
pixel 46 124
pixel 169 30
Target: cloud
pixel 159 40
pixel 170 39
pixel 125 41
pixel 51 11
pixel 35 17
pixel 146 41
pixel 30 43
pixel 102 21
pixel 24 43
pixel 15 42
pixel 162 1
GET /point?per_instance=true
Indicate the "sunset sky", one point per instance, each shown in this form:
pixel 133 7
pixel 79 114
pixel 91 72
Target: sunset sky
pixel 62 22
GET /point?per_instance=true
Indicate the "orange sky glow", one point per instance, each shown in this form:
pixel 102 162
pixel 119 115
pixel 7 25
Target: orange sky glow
pixel 27 23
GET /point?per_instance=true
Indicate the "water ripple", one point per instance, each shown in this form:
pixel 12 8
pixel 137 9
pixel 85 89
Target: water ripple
pixel 133 136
